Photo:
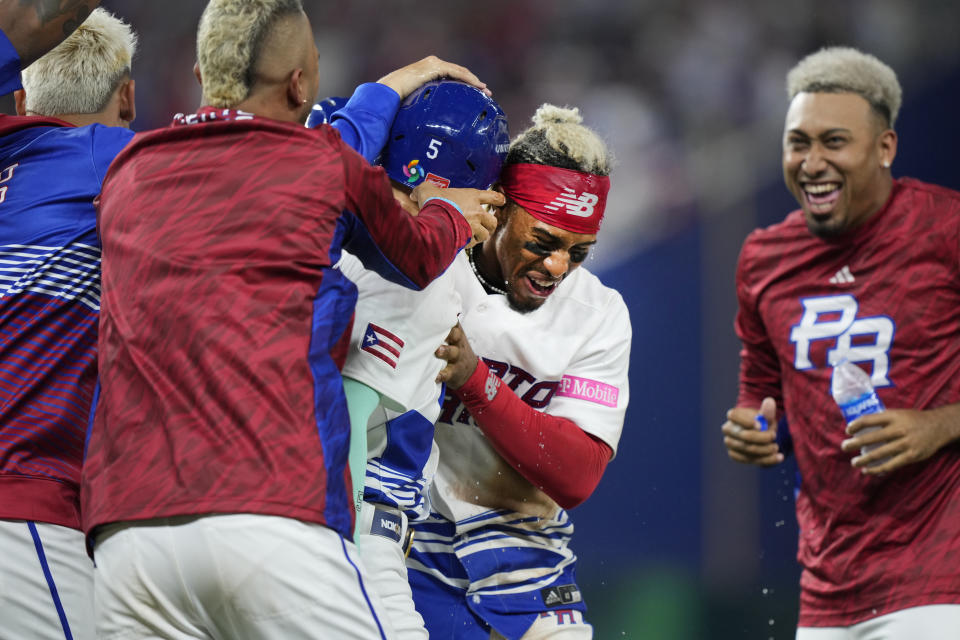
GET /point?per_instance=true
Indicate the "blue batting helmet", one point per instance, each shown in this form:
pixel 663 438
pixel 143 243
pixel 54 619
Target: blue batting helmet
pixel 323 111
pixel 448 133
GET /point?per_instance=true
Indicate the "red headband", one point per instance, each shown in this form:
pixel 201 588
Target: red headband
pixel 564 198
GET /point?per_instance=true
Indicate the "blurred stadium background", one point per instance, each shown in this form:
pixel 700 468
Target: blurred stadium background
pixel 678 542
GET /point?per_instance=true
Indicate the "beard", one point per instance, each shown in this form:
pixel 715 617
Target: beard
pixel 522 305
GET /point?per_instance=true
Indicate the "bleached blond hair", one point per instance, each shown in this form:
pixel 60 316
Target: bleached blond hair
pixel 847 70
pixel 229 40
pixel 558 138
pixel 82 72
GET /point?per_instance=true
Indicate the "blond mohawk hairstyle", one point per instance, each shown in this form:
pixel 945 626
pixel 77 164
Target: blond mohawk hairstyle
pixel 228 45
pixel 82 72
pixel 847 70
pixel 558 138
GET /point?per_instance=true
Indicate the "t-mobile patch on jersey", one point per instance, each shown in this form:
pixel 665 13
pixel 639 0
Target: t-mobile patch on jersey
pixel 559 595
pixel 386 524
pixel 589 390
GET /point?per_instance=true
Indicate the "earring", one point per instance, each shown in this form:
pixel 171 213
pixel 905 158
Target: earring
pixel 886 164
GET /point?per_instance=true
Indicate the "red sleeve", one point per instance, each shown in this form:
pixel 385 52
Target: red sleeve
pixel 759 367
pixel 422 246
pixel 553 453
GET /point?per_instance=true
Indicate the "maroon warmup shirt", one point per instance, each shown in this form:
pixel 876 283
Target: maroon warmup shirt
pixel 888 295
pixel 219 312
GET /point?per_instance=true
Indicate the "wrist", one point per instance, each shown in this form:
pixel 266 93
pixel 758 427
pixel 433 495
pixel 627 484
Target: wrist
pixel 390 83
pixel 475 384
pixel 948 419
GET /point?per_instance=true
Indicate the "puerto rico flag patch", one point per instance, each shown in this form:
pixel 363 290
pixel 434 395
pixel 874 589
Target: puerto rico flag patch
pixel 382 344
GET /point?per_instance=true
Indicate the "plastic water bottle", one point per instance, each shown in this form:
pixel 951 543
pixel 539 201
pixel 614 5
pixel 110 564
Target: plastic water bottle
pixel 854 393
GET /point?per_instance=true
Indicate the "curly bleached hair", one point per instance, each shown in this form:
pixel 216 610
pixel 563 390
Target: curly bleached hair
pixel 82 72
pixel 847 70
pixel 559 139
pixel 229 39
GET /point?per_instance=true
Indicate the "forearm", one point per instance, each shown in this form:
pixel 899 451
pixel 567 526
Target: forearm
pixel 551 452
pixel 441 232
pixel 389 240
pixel 414 250
pixel 36 26
pixel 361 403
pixel 947 422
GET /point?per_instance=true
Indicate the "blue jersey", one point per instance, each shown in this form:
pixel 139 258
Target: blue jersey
pixel 50 173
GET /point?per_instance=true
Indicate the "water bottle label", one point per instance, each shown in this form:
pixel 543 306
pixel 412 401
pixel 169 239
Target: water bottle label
pixel 862 405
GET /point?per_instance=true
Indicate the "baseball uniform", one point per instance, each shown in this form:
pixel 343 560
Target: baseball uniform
pixel 887 297
pixel 568 359
pixel 395 333
pixel 50 172
pixel 222 313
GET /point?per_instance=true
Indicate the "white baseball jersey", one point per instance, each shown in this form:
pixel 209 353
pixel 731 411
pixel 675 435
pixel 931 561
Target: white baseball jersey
pixel 395 332
pixel 568 358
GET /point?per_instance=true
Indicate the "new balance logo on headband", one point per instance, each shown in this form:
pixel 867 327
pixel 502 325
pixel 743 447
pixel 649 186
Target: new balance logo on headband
pixel 581 206
pixel 564 198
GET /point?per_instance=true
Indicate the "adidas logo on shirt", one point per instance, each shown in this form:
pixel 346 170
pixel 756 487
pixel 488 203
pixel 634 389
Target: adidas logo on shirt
pixel 843 276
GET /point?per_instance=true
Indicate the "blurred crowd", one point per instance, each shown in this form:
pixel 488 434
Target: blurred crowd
pixel 671 85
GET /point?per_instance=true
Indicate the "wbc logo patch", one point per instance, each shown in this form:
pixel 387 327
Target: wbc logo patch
pixel 412 171
pixel 382 344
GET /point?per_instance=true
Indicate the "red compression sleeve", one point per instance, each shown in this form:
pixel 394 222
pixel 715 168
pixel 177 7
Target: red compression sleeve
pixel 553 453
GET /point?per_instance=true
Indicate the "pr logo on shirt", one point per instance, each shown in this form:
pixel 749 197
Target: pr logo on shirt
pixel 577 205
pixel 834 321
pixel 5 177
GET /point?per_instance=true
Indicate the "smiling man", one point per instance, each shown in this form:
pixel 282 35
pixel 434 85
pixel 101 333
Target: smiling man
pixel 837 151
pixel 867 270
